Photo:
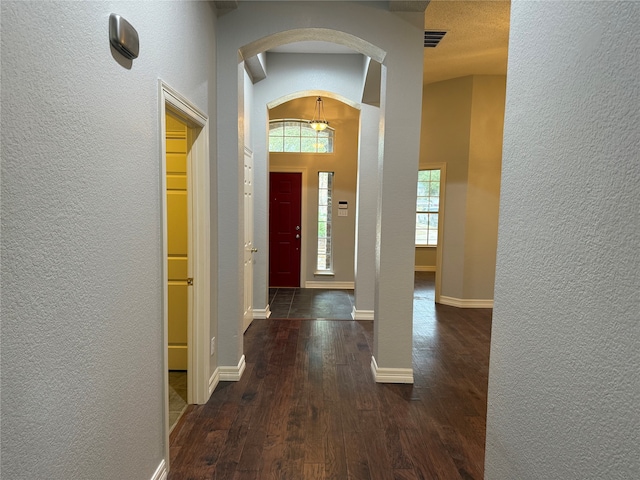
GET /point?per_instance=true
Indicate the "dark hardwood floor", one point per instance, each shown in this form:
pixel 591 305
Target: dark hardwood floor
pixel 307 407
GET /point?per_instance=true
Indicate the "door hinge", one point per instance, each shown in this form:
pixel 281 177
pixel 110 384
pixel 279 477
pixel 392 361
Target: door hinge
pixel 189 281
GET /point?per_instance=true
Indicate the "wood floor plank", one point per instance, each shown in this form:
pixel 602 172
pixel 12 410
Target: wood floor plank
pixel 313 471
pixel 307 406
pixel 334 444
pixel 357 459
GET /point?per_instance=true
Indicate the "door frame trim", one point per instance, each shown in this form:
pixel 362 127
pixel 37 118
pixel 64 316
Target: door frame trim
pixel 303 218
pixel 247 316
pixel 199 246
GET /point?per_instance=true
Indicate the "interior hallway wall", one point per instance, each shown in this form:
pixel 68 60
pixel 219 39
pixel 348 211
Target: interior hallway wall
pixel 462 127
pixel 564 377
pixel 82 294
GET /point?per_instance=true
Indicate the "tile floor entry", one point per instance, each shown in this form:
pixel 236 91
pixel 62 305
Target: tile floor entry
pixel 310 303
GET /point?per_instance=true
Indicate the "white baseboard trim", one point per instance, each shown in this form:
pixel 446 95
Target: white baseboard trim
pixel 362 314
pixel 335 285
pixel 424 268
pixel 391 375
pixel 232 374
pixel 213 381
pixel 161 472
pixel 262 313
pixel 466 302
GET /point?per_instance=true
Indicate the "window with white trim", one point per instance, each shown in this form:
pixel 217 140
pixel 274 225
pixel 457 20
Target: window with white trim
pixel 297 136
pixel 428 208
pixel 324 257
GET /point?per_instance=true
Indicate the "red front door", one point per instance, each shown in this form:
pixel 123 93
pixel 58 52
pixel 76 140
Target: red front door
pixel 285 193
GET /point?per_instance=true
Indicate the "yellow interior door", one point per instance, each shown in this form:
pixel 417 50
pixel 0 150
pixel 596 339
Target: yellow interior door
pixel 177 239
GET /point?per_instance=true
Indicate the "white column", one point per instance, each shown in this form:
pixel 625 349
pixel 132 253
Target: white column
pixel 401 98
pixel 366 212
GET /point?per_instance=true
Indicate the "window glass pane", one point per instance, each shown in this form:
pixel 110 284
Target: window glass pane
pixel 435 175
pixel 276 144
pixel 423 189
pixel 424 204
pixel 323 180
pixel 424 175
pixel 322 145
pixel 307 131
pixel 291 144
pixel 308 144
pixel 434 189
pixel 434 204
pixel 323 196
pixel 422 220
pixel 330 144
pixel 322 229
pixel 421 236
pixel 292 129
pixel 276 128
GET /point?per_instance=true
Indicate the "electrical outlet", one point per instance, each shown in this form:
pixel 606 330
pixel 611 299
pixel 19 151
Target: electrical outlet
pixel 213 345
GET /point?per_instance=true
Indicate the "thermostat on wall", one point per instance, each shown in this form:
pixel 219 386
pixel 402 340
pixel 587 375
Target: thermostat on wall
pixel 342 204
pixel 123 36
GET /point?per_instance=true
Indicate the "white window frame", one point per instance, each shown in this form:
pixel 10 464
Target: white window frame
pixel 429 211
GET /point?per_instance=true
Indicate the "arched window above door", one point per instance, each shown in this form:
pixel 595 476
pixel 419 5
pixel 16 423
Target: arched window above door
pixel 297 136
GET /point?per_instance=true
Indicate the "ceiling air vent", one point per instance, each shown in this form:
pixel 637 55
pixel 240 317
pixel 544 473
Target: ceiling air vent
pixel 432 38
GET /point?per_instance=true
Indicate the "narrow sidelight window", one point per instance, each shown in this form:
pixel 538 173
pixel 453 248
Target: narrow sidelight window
pixel 325 181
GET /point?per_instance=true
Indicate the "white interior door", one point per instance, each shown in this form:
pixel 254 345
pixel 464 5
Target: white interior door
pixel 249 249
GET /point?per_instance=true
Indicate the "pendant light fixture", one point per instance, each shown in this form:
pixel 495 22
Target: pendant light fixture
pixel 318 122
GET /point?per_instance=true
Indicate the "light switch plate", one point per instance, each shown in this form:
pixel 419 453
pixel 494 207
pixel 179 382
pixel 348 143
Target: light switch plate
pixel 343 213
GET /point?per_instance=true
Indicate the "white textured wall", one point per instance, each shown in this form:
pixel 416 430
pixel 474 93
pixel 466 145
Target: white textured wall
pixel 367 202
pixel 82 345
pixel 564 380
pixel 483 186
pixel 462 126
pixel 446 127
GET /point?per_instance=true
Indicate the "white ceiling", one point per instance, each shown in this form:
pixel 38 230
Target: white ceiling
pixel 475 44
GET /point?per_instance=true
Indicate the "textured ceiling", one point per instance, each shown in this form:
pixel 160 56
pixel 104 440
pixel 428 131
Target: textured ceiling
pixel 476 41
